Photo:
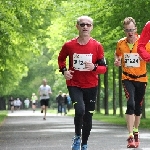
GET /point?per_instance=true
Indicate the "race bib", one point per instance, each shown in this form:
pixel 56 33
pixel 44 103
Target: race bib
pixel 79 61
pixel 44 92
pixel 131 60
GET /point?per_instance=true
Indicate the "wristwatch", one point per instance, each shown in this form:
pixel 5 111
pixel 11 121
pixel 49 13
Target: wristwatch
pixel 95 67
pixel 63 70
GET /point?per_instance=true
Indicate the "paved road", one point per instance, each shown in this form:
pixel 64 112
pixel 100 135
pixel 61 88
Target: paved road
pixel 25 130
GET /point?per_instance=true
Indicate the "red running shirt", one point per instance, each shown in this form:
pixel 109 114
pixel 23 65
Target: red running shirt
pixel 83 79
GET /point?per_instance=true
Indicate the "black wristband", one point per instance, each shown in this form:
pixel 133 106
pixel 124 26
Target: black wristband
pixel 95 67
pixel 63 69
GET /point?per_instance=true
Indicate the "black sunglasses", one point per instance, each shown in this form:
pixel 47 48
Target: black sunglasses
pixel 83 24
pixel 129 30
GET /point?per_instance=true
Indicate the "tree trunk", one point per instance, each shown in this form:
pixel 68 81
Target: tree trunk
pixel 106 92
pixel 114 91
pixel 98 95
pixel 2 103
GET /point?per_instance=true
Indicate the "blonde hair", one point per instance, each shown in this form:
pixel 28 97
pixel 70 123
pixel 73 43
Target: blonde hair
pixel 128 20
pixel 84 17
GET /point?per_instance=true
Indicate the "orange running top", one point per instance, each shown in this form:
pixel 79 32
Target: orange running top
pixel 123 50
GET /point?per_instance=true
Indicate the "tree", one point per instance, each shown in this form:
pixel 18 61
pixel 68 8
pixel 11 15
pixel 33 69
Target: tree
pixel 32 33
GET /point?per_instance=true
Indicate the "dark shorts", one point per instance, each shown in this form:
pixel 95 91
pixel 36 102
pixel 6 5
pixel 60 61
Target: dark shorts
pixel 44 102
pixel 134 92
pixel 33 103
pixel 83 99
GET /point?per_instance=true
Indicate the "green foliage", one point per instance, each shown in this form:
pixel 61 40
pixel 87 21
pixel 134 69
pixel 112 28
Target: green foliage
pixel 20 32
pixel 33 32
pixel 3 115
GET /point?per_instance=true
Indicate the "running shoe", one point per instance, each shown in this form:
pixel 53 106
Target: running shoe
pixel 44 118
pixel 136 139
pixel 84 147
pixel 76 143
pixel 131 143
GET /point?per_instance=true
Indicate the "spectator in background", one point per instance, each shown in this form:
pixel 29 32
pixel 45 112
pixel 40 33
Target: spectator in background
pixel 59 100
pixel 34 98
pixel 15 104
pixel 11 101
pixel 18 103
pixel 64 104
pixel 26 103
pixel 69 102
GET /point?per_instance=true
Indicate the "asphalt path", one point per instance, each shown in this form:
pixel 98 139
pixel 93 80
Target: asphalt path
pixel 25 130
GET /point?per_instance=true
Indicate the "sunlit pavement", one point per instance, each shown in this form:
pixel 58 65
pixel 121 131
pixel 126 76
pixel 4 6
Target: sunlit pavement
pixel 25 130
pixel 29 113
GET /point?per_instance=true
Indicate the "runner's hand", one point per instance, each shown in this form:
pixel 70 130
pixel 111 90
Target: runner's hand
pixel 68 74
pixel 90 66
pixel 117 62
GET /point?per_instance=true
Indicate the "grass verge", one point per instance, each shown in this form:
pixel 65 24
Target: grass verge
pixel 117 120
pixel 114 119
pixel 3 115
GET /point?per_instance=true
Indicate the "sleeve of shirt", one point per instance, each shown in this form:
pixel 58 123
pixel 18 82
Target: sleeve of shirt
pixel 144 39
pixel 101 69
pixel 62 57
pixel 118 51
